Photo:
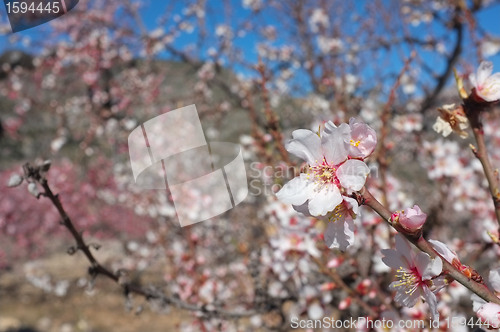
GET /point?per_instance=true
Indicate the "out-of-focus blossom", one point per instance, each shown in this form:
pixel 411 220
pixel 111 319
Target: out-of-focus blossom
pixel 318 19
pixel 255 5
pixel 452 119
pixel 15 180
pixel 490 315
pixel 416 275
pixel 33 189
pixel 340 230
pixel 408 123
pixel 486 85
pixel 327 45
pixel 490 47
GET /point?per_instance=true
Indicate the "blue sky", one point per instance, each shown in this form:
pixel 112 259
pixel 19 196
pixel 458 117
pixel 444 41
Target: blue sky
pixel 151 11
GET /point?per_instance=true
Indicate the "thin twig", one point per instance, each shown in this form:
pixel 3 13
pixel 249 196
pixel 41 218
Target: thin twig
pixel 481 153
pixel 480 289
pixel 97 269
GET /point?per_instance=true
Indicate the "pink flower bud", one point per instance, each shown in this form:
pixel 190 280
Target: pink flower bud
pixel 413 218
pixel 490 315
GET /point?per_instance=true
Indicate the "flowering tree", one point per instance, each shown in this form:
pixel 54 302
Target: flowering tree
pixel 375 214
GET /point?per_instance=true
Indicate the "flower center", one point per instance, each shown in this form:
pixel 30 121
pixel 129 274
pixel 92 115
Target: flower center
pixel 322 174
pixel 355 143
pixel 409 279
pixel 491 88
pixel 337 213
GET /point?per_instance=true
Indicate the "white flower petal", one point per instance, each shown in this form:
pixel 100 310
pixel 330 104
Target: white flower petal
pixel 352 174
pixel 403 298
pixel 483 72
pixel 306 145
pixel 315 311
pixel 339 234
pixel 15 180
pixel 438 284
pixel 33 189
pixel 477 302
pixel 304 209
pixel 353 204
pixel 393 259
pixel 404 248
pixel 443 250
pixel 491 88
pixel 296 191
pixel 431 300
pixel 324 201
pixel 330 125
pixel 434 268
pixel 494 279
pixel 332 142
pixel 472 79
pixel 422 261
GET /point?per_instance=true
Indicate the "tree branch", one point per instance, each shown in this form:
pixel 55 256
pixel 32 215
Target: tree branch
pixel 480 289
pixel 38 174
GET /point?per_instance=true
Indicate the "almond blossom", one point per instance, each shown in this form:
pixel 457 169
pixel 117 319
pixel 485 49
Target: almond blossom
pixel 490 315
pixel 340 230
pixel 452 119
pixel 494 279
pixel 340 225
pixel 329 171
pixel 487 86
pixel 416 275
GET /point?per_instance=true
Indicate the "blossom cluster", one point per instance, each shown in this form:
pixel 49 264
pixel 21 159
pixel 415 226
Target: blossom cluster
pixel 335 168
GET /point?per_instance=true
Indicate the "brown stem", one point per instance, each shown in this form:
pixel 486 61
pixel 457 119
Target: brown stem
pixel 97 269
pixel 481 153
pixel 480 289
